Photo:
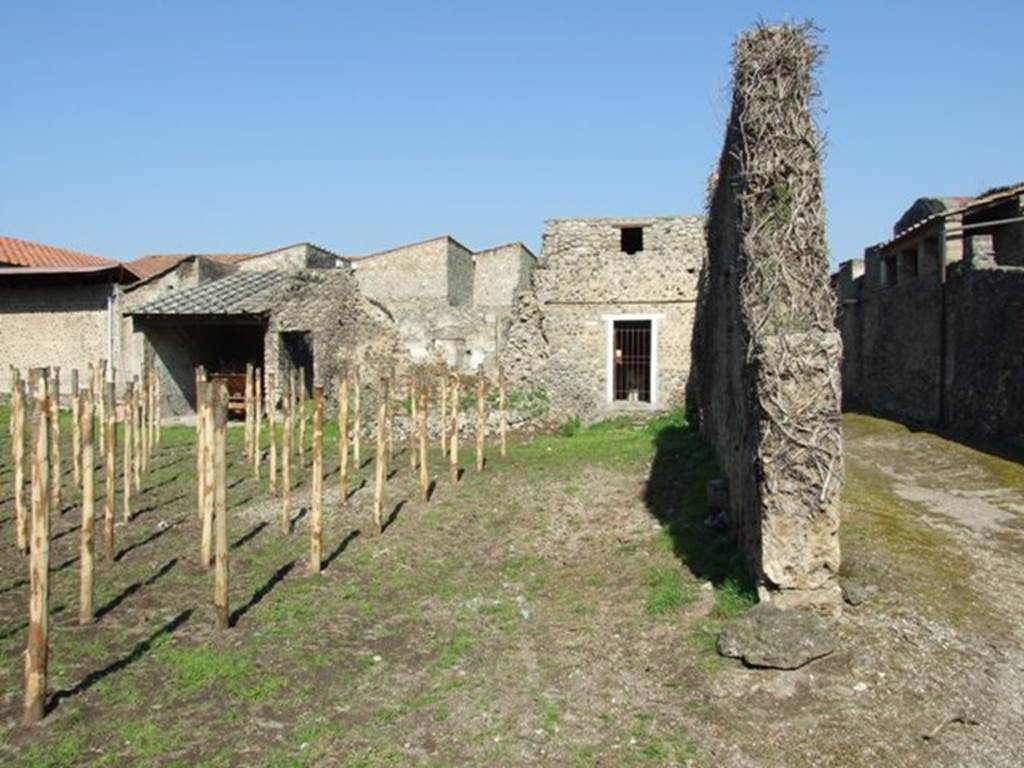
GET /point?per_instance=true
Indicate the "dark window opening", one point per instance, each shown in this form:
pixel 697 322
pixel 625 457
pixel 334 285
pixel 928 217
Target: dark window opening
pixel 909 262
pixel 632 239
pixel 298 353
pixel 632 363
pixel 890 275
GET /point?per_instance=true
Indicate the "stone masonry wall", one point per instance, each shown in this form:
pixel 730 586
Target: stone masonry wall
pixel 583 283
pixel 905 360
pixel 500 273
pixel 344 327
pixel 54 325
pixel 986 353
pixel 460 268
pixel 416 272
pixel 766 354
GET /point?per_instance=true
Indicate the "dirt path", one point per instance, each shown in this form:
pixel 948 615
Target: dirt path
pixel 559 609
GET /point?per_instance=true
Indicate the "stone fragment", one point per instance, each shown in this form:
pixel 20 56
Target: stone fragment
pixel 769 637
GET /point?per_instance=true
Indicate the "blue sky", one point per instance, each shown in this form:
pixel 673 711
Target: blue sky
pixel 143 127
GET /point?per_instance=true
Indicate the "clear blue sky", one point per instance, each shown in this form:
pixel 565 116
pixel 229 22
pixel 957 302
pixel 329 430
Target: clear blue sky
pixel 142 127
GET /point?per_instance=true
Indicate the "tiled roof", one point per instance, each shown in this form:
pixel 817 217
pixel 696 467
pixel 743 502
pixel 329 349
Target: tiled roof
pixel 240 293
pixel 23 253
pixel 158 263
pixel 967 204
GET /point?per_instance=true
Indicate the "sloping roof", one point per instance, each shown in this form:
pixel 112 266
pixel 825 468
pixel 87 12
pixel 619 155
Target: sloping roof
pixel 240 293
pixel 968 204
pixel 159 263
pixel 24 253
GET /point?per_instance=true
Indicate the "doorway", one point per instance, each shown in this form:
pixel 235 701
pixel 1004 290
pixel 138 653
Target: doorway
pixel 631 348
pixel 298 353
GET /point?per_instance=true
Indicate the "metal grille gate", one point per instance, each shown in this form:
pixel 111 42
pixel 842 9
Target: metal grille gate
pixel 632 349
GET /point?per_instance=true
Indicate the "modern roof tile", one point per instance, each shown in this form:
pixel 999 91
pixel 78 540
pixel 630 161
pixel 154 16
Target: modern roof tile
pixel 24 253
pixel 240 293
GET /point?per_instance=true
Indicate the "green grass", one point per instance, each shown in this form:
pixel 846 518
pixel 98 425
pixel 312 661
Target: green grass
pixel 668 592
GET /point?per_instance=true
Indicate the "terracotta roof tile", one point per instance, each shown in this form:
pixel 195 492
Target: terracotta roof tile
pixel 158 263
pixel 24 253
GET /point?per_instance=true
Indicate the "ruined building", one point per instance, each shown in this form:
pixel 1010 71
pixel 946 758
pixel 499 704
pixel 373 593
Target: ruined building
pixel 931 318
pixel 58 307
pixel 766 353
pixel 447 301
pixel 604 325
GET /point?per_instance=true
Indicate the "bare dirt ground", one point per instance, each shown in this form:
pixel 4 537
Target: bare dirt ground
pixel 559 609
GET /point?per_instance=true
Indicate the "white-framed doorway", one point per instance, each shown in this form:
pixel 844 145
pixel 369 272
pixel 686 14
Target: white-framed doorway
pixel 631 358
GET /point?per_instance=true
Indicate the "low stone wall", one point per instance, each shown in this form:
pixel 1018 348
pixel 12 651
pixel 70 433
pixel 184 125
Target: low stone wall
pixel 766 354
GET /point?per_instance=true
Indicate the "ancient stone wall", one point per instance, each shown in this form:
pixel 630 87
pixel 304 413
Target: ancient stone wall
pixel 500 273
pixel 53 325
pixel 460 270
pixel 292 257
pixel 986 353
pixel 344 327
pixel 938 354
pixel 560 337
pixel 416 272
pixel 766 353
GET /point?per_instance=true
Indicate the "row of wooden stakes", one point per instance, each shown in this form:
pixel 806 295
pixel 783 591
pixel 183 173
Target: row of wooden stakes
pixel 260 405
pixel 94 419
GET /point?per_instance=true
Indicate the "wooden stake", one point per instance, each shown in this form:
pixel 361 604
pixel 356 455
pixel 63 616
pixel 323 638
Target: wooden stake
pixel 443 399
pixel 357 419
pixel 502 411
pixel 100 399
pixel 316 533
pixel 200 441
pixel 272 433
pixel 126 455
pixel 18 456
pixel 248 410
pixel 412 422
pixel 453 452
pixel 37 649
pixel 76 430
pixel 206 482
pixel 87 557
pixel 380 470
pixel 154 405
pixel 343 440
pixel 302 417
pixel 136 417
pixel 143 396
pixel 54 410
pixel 220 507
pixel 158 414
pixel 257 422
pixel 110 471
pixel 424 437
pixel 286 458
pixel 481 417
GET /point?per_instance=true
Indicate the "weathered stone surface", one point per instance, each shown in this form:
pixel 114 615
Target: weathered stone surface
pixel 766 356
pixel 769 637
pixel 584 282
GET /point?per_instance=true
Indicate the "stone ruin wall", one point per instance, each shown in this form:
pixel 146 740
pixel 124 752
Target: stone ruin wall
pixel 445 299
pixel 766 389
pixel 557 338
pixel 940 353
pixel 344 328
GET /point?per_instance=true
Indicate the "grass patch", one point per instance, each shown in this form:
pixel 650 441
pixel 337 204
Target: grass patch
pixel 667 591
